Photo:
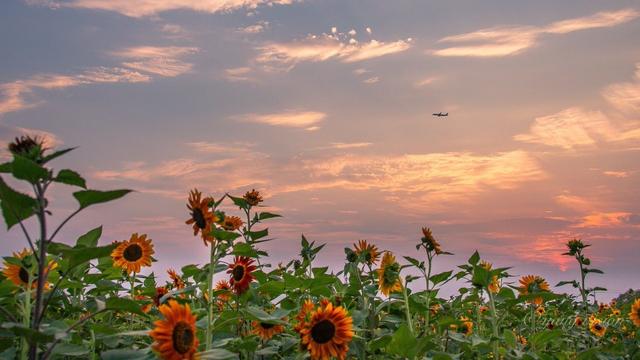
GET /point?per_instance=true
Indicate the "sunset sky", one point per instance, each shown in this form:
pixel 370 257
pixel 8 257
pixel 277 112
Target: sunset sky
pixel 325 107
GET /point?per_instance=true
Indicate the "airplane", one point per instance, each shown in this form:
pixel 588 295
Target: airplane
pixel 440 114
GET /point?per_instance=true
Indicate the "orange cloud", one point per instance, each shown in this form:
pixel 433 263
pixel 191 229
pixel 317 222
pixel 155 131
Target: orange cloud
pixel 507 41
pixel 163 61
pixel 289 118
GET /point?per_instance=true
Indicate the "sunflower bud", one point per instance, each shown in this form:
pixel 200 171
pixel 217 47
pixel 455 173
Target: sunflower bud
pixel 575 246
pixel 29 147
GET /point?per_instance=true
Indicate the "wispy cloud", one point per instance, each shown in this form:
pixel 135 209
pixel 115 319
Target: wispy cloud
pixel 575 127
pixel 289 118
pixel 238 74
pixel 140 65
pixel 256 28
pixel 506 41
pixel 164 61
pixel 317 48
pixel 147 8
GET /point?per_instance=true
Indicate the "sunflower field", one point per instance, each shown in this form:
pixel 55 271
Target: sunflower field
pixel 92 300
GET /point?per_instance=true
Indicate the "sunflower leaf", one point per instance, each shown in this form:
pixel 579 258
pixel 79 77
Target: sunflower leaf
pixel 16 206
pixel 87 198
pixel 70 177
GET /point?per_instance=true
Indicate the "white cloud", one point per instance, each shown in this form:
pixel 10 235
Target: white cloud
pixel 506 41
pixel 153 7
pixel 255 28
pixel 164 61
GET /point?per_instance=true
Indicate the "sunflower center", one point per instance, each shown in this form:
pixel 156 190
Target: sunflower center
pixel 23 274
pixel 323 331
pixel 598 327
pixel 182 337
pixel 132 252
pixel 266 325
pixel 238 272
pixel 198 216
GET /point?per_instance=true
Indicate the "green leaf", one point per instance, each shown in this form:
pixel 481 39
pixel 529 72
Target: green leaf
pixel 55 155
pixel 26 169
pixel 255 235
pixel 438 278
pixel 543 338
pixel 70 350
pixel 90 239
pixel 474 258
pixel 240 202
pixel 91 197
pixel 217 354
pixel 16 206
pixel 224 235
pixel 6 167
pixel 403 343
pixel 267 215
pixel 126 354
pixel 263 316
pixel 124 304
pixel 70 177
pixel 79 255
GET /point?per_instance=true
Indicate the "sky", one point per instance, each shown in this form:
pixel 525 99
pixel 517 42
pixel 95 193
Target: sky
pixel 325 107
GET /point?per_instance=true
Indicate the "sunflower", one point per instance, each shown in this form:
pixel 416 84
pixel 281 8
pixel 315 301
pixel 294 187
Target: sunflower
pixel 265 330
pixel 578 321
pixel 132 254
pixel 253 197
pixel 175 336
pixel 241 273
pixel 303 315
pixel 430 242
pixel 178 283
pixel 596 327
pixel 435 308
pixel 328 333
pixel 466 327
pixel 615 312
pixel 483 309
pixel 389 274
pixel 202 217
pixel 532 284
pixel 231 223
pixel 19 274
pixel 540 310
pixel 146 307
pixel 160 292
pixel 371 251
pixel 30 147
pixel 634 315
pixel 522 340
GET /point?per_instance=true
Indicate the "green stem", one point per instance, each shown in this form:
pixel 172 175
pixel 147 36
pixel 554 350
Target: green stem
pixel 494 324
pixel 212 266
pixel 406 308
pixel 428 291
pixel 26 316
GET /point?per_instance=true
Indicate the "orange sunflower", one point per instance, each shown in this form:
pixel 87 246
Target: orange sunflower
pixel 265 330
pixel 634 315
pixel 231 223
pixel 328 333
pixel 241 273
pixel 532 284
pixel 578 321
pixel 202 217
pixel 494 285
pixel 596 327
pixel 371 251
pixel 160 292
pixel 132 254
pixel 175 336
pixel 253 197
pixel 19 274
pixel 303 315
pixel 466 327
pixel 540 310
pixel 430 241
pixel 389 274
pixel 178 283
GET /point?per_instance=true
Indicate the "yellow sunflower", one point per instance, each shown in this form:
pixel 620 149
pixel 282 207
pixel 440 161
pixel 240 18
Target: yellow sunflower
pixel 371 251
pixel 540 310
pixel 231 223
pixel 175 337
pixel 634 315
pixel 177 281
pixel 265 330
pixel 494 285
pixel 466 327
pixel 578 321
pixel 202 217
pixel 430 241
pixel 253 197
pixel 522 340
pixel 132 254
pixel 19 275
pixel 389 274
pixel 596 327
pixel 531 284
pixel 328 333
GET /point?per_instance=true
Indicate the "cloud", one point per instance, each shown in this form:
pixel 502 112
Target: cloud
pixel 238 74
pixel 371 80
pixel 152 7
pixel 343 146
pixel 326 47
pixel 507 41
pixel 16 95
pixel 618 174
pixel 255 28
pixel 289 118
pixel 575 127
pixel 141 64
pixel 164 61
pixel 425 82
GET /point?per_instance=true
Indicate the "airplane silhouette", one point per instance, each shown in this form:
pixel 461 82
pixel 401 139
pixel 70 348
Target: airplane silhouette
pixel 441 114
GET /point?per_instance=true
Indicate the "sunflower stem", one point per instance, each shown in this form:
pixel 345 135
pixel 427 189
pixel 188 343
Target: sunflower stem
pixel 212 266
pixel 406 307
pixel 427 290
pixel 494 324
